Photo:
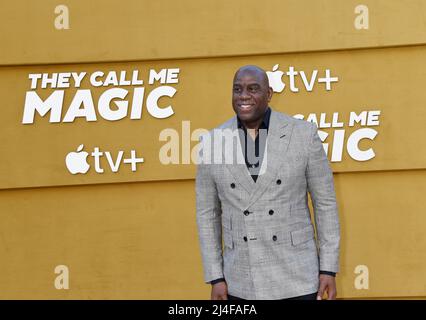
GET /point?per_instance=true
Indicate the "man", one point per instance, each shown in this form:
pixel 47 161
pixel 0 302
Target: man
pixel 259 208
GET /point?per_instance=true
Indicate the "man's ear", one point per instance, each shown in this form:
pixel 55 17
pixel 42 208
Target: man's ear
pixel 270 92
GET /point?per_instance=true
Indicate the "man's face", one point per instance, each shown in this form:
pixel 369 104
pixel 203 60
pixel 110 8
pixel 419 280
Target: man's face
pixel 250 95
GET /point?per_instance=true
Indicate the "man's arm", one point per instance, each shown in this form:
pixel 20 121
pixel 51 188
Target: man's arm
pixel 321 188
pixel 209 224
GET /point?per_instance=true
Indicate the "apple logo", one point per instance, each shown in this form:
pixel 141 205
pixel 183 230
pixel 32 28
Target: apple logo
pixel 274 78
pixel 76 161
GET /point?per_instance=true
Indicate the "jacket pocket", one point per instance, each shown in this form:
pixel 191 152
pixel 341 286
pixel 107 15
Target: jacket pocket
pixel 302 235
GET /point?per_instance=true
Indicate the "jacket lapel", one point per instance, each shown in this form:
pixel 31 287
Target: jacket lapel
pixel 279 134
pixel 238 169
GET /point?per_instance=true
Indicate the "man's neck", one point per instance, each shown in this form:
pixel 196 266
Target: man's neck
pixel 252 127
pixel 252 133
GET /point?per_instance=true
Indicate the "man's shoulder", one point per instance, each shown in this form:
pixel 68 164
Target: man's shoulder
pixel 298 123
pixel 227 124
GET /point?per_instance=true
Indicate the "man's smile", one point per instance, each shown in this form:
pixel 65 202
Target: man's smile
pixel 245 107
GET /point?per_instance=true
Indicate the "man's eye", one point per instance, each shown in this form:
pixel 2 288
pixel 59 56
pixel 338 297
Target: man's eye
pixel 253 89
pixel 237 89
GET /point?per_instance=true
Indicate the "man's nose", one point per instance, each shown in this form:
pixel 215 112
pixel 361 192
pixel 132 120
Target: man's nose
pixel 244 94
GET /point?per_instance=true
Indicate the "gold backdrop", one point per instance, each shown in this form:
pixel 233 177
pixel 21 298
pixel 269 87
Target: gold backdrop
pixel 132 234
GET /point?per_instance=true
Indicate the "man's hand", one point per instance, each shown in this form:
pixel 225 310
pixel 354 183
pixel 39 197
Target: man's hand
pixel 327 284
pixel 220 291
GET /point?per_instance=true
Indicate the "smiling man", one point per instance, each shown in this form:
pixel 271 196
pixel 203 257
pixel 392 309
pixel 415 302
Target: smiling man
pixel 259 209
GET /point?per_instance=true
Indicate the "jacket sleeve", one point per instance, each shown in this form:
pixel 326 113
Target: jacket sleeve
pixel 321 188
pixel 209 223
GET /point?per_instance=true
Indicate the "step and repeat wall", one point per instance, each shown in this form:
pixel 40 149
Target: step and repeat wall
pixel 103 104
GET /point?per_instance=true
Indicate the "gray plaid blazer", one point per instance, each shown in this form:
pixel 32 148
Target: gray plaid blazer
pixel 259 235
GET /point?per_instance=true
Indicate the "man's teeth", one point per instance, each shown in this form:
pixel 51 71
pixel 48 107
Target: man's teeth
pixel 245 106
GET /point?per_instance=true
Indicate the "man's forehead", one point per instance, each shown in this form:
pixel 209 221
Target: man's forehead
pixel 254 77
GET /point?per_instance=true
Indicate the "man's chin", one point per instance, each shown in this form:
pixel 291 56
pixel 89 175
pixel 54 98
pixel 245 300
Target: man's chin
pixel 245 117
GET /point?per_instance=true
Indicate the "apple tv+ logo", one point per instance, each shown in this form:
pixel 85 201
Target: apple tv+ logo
pixel 76 161
pixel 275 78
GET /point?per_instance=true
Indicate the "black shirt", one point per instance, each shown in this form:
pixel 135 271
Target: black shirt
pixel 254 150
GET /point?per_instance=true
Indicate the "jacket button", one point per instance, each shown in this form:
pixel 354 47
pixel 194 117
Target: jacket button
pixel 278 181
pixel 271 212
pixel 245 238
pixel 246 212
pixel 233 185
pixel 274 238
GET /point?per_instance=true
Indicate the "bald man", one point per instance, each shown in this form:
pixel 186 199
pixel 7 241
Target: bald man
pixel 258 207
